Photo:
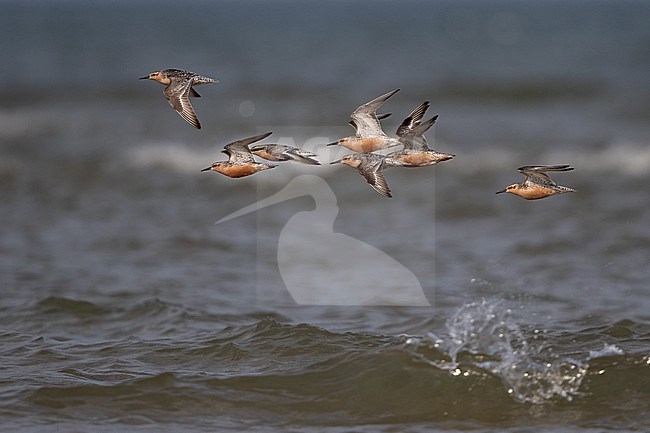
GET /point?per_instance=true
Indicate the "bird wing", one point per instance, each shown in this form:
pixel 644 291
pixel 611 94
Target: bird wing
pixel 365 120
pixel 379 117
pixel 238 151
pixel 178 95
pixel 537 173
pixel 414 139
pixel 413 119
pixel 371 169
pixel 544 168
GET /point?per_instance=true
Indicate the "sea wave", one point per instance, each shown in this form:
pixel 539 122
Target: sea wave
pixel 484 336
pixel 484 368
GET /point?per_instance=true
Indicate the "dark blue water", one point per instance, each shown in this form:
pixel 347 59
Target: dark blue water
pixel 125 307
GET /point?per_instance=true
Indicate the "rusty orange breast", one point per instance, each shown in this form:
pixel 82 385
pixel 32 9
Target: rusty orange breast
pixel 534 193
pixel 236 171
pixel 363 145
pixel 417 159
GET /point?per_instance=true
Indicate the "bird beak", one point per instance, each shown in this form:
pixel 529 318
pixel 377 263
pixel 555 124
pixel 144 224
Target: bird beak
pixel 207 169
pixel 144 78
pixel 333 144
pixel 502 191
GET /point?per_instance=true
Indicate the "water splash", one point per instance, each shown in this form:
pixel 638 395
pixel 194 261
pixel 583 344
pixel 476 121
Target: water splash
pixel 484 336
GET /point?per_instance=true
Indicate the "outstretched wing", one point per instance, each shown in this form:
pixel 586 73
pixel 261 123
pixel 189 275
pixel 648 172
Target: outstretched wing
pixel 365 120
pixel 379 117
pixel 371 169
pixel 538 172
pixel 178 95
pixel 413 119
pixel 414 139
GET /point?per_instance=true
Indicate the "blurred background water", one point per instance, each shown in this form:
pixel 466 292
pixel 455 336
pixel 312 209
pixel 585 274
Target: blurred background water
pixel 124 306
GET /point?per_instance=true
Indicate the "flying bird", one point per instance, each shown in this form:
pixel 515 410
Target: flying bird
pixel 281 152
pixel 537 184
pixel 416 151
pixel 179 86
pixel 371 166
pixel 240 159
pixel 369 135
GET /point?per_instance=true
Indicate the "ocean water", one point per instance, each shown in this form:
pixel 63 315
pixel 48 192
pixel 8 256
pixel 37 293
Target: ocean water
pixel 130 301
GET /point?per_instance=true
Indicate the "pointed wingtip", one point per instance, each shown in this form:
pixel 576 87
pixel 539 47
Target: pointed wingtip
pixel 385 192
pixel 392 92
pixel 260 137
pixel 190 118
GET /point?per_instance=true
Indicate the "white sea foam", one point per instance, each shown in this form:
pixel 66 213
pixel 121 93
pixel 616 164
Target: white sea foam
pixel 607 350
pixel 170 156
pixel 625 157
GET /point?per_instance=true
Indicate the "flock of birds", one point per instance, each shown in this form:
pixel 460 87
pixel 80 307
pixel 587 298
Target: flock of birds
pixel 368 139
